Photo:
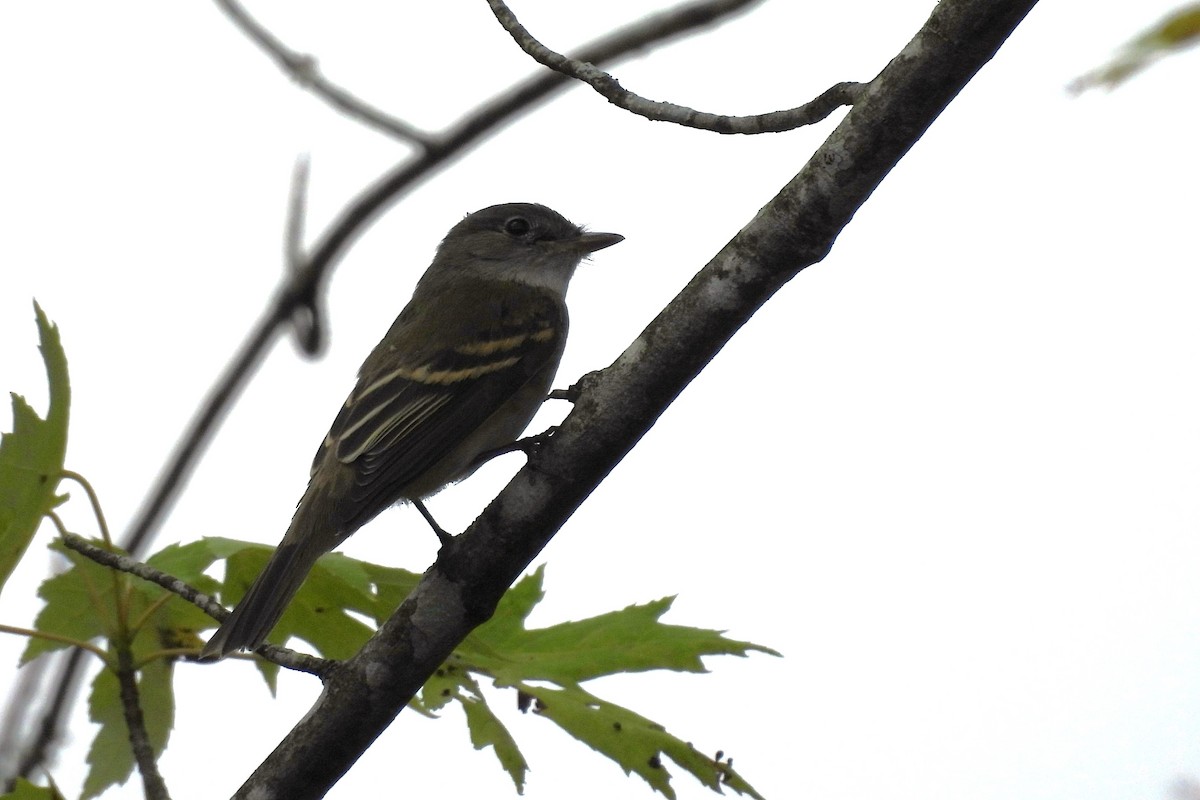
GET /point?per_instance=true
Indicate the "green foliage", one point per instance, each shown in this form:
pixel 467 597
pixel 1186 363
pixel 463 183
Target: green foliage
pixel 24 790
pixel 31 457
pixel 637 744
pixel 74 608
pixel 487 730
pixel 514 656
pixel 1179 29
pixel 544 666
pixel 89 603
pixel 630 640
pixel 319 612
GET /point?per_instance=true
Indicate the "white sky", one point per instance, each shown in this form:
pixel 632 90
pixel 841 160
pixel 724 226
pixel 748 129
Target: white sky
pixel 950 472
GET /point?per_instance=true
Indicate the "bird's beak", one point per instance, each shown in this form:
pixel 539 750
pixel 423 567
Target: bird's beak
pixel 591 242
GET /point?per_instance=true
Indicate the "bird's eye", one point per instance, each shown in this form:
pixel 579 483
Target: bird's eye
pixel 517 226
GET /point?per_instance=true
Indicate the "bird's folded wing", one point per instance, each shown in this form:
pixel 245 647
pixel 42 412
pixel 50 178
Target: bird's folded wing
pixel 402 420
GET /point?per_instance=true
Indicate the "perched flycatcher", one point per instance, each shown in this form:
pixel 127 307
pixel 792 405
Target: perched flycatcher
pixel 461 373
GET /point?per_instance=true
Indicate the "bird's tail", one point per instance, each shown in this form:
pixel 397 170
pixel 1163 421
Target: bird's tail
pixel 247 627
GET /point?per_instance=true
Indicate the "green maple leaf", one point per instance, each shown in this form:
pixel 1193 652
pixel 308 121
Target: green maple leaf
pixel 32 456
pixel 511 655
pixel 24 790
pixel 86 603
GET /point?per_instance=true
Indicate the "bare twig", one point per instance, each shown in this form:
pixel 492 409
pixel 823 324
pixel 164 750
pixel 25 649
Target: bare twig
pixel 123 563
pixel 308 318
pixel 683 19
pixel 135 722
pixel 28 684
pixel 282 656
pixel 29 633
pixel 838 95
pixel 47 728
pixel 303 69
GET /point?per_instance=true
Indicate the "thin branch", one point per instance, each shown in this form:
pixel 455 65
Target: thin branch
pixel 95 593
pixel 308 318
pixel 94 499
pixel 684 19
pixel 149 611
pixel 833 98
pixel 27 684
pixel 289 659
pixel 188 653
pixel 131 705
pixel 303 69
pixel 135 722
pixel 47 729
pixel 54 637
pixel 123 563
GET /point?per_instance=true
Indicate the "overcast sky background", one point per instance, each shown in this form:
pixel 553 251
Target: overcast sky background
pixel 950 472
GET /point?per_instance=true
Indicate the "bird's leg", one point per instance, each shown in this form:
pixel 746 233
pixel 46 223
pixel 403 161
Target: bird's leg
pixel 523 445
pixel 443 535
pixel 520 445
pixel 570 394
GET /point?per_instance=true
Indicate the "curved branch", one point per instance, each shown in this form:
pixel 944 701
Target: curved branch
pixel 303 69
pixel 684 19
pixel 817 109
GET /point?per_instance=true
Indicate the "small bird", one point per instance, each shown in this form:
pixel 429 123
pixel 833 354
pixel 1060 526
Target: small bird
pixel 460 374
